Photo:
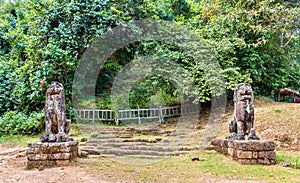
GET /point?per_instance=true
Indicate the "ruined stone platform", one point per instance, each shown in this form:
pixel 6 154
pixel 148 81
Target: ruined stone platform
pixel 51 154
pixel 247 151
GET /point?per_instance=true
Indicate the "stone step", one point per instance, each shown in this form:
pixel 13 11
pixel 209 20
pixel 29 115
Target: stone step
pixel 90 148
pixel 142 140
pixel 112 132
pixel 115 129
pixel 120 140
pixel 117 144
pixel 122 152
pixel 132 131
pixel 106 133
pixel 180 134
pixel 101 141
pixel 174 140
pixel 108 136
pixel 188 148
pixel 151 157
pixel 142 146
pixel 151 148
pixel 153 132
pixel 13 151
pixel 141 157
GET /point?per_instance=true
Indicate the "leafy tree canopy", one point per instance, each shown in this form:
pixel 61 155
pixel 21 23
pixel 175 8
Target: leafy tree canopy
pixel 255 41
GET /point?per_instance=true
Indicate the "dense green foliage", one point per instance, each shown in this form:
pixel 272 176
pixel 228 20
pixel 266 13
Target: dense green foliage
pixel 258 39
pixel 253 41
pixel 13 123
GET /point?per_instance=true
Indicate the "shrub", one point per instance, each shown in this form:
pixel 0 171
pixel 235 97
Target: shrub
pixel 13 123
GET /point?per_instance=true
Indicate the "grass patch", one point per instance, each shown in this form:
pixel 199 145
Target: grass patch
pixel 278 111
pixel 18 140
pixel 294 159
pixel 23 140
pixel 212 167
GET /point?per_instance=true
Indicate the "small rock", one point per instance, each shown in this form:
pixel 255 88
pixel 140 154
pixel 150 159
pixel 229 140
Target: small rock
pixel 41 168
pixel 70 139
pixel 195 158
pixel 82 143
pixel 210 148
pixel 94 135
pixel 83 153
pixel 62 168
pixel 83 139
pixel 286 164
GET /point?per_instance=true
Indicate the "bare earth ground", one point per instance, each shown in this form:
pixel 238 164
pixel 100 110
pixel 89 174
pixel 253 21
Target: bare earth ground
pixel 13 169
pixel 271 123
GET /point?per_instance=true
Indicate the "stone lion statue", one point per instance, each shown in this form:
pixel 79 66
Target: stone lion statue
pixel 55 115
pixel 243 121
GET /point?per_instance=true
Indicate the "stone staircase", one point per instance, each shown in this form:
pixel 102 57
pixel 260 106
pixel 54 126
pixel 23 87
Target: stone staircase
pixel 134 143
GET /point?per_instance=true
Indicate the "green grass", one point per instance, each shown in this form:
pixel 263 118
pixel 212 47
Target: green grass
pixel 294 159
pixel 23 140
pixel 18 140
pixel 212 166
pixel 219 165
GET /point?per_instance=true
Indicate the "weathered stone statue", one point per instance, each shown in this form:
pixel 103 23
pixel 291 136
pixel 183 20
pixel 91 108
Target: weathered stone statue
pixel 243 121
pixel 55 115
pixel 250 150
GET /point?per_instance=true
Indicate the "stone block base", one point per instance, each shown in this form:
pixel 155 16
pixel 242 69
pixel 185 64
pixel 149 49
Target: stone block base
pixel 51 154
pixel 247 152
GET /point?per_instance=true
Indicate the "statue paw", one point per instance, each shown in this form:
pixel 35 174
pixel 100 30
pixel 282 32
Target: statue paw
pixel 61 137
pixel 252 135
pixel 48 138
pixel 44 138
pixel 240 137
pixel 52 138
pixel 232 136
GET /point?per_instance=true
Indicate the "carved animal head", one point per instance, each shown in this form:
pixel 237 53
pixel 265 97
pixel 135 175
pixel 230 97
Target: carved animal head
pixel 55 88
pixel 243 91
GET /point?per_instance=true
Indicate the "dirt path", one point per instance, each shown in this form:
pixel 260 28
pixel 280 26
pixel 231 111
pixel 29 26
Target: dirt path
pixel 13 169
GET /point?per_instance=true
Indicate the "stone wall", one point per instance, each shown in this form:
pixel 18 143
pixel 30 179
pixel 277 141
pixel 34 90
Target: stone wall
pixel 247 152
pixel 51 154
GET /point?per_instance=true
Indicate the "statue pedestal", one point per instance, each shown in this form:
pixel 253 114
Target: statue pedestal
pixel 51 154
pixel 247 151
